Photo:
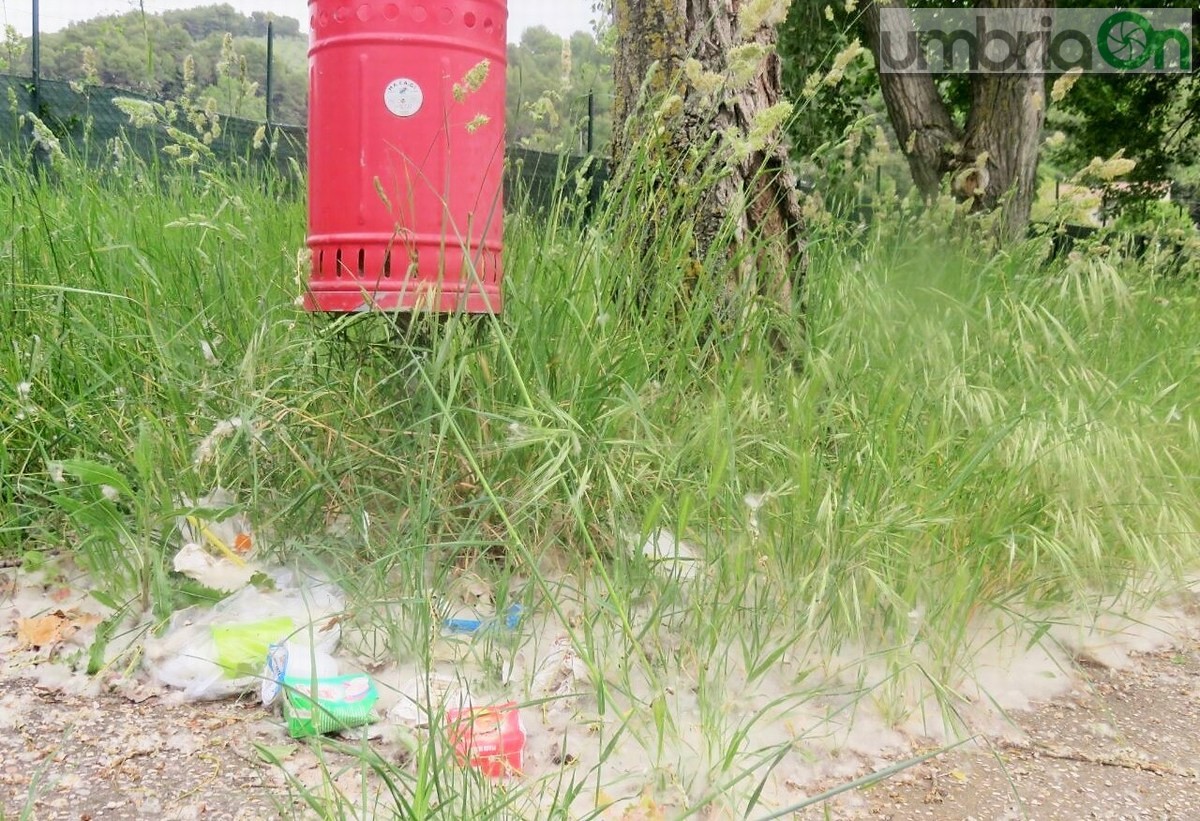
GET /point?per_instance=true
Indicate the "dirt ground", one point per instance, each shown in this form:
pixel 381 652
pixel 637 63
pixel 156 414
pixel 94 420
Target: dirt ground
pixel 106 757
pixel 1124 743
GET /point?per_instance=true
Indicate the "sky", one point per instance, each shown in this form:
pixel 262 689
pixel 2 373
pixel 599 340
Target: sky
pixel 560 16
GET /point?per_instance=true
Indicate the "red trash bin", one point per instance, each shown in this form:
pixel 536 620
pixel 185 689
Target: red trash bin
pixel 406 154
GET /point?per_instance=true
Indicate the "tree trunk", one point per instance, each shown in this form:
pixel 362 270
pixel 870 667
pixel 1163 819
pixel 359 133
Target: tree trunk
pixel 994 160
pixel 708 73
pixel 1005 124
pixel 924 128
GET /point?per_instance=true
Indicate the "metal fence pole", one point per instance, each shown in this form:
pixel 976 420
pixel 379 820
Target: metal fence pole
pixel 36 57
pixel 35 102
pixel 591 126
pixel 270 72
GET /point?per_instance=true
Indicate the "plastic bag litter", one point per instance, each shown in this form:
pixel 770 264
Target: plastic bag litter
pixel 216 553
pixel 218 651
pixel 561 674
pixel 195 562
pixel 425 698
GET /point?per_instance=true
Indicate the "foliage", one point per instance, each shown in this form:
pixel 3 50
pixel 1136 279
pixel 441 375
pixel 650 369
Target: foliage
pixel 549 80
pixel 146 53
pixel 1149 118
pixel 827 107
pixel 13 49
pixel 165 318
pixel 549 77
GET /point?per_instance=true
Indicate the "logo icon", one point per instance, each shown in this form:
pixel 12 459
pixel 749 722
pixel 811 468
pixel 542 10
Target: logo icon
pixel 1127 40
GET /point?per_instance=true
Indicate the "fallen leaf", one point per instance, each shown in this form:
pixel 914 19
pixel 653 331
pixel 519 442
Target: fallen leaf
pixel 45 631
pixel 81 620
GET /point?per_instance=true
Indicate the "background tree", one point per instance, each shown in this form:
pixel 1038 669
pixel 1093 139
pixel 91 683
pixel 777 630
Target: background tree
pixel 1150 118
pixel 810 40
pixel 1153 119
pixel 145 53
pixel 993 157
pixel 841 140
pixel 549 79
pixel 700 80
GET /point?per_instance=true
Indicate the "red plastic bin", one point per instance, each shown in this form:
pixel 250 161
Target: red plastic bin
pixel 406 154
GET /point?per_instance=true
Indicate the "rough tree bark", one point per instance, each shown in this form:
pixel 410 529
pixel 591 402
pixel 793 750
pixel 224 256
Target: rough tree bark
pixel 719 57
pixel 993 161
pixel 924 128
pixel 1005 122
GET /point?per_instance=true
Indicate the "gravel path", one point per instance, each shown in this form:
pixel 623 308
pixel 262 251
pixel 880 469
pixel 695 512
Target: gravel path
pixel 106 757
pixel 1124 745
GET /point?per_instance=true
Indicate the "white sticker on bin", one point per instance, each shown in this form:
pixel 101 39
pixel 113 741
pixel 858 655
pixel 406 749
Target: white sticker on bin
pixel 403 97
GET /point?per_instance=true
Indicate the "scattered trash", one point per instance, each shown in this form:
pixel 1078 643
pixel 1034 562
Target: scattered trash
pixel 297 661
pixel 237 644
pixel 195 562
pixel 292 673
pixel 218 651
pixel 491 739
pixel 468 625
pixel 216 553
pixel 341 702
pixel 428 696
pixel 234 541
pixel 559 674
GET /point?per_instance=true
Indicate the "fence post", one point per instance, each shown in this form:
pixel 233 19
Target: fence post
pixel 591 126
pixel 36 58
pixel 35 82
pixel 270 75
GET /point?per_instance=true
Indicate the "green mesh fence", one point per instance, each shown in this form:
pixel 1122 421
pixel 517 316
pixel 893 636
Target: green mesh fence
pixel 86 121
pixel 88 124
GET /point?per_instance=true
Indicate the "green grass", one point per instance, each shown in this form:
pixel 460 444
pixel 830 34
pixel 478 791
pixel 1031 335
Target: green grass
pixel 952 435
